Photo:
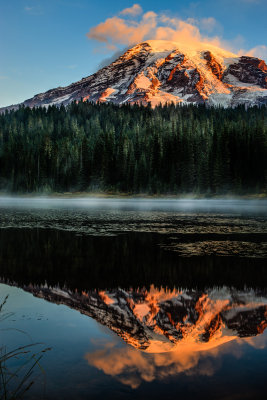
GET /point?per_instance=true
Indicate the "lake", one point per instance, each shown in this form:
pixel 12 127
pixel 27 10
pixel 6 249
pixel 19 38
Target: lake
pixel 140 298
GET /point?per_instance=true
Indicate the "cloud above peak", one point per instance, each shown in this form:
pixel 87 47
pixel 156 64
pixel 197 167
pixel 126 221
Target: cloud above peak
pixel 258 51
pixel 116 31
pixel 132 26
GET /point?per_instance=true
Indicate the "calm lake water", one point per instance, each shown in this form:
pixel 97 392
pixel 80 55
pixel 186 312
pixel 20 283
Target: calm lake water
pixel 136 298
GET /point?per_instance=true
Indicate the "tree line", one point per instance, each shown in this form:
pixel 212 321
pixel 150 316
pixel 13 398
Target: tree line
pixel 134 149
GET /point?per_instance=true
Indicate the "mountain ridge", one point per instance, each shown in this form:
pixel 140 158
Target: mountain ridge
pixel 161 320
pixel 160 72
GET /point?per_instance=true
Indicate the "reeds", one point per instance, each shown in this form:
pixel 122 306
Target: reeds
pixel 15 381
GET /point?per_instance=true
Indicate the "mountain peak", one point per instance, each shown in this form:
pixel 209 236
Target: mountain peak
pixel 158 46
pixel 160 71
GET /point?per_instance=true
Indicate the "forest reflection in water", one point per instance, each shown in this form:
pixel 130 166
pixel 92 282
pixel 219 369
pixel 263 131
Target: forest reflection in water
pixel 132 259
pixel 139 303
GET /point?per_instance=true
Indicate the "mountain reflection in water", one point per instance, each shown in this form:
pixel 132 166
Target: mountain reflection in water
pixel 132 367
pixel 162 320
pixel 169 331
pixel 181 330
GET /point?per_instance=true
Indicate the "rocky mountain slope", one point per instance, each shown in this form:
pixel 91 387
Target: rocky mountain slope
pixel 158 320
pixel 159 71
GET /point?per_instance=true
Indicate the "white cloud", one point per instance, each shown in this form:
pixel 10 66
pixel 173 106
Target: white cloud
pixel 258 51
pixel 208 24
pixel 136 9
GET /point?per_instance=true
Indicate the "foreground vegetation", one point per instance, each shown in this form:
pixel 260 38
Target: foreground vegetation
pixel 17 379
pixel 133 149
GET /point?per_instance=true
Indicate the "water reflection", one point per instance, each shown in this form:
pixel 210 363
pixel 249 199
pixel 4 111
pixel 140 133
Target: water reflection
pixel 175 294
pixel 168 331
pixel 163 320
pixel 132 367
pixel 130 260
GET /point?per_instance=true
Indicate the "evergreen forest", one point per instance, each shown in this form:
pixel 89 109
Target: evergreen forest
pixel 134 149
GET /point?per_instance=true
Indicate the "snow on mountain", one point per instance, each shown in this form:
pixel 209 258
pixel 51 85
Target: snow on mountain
pixel 159 71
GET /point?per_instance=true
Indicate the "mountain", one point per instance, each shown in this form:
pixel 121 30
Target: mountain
pixel 161 320
pixel 159 71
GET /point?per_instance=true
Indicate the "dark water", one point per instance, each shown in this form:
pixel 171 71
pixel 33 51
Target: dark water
pixel 137 299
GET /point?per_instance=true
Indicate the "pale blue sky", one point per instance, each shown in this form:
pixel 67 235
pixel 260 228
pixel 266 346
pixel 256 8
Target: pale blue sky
pixel 44 44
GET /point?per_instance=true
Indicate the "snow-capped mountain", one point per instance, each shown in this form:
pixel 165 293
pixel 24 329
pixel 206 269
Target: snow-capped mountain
pixel 159 71
pixel 161 320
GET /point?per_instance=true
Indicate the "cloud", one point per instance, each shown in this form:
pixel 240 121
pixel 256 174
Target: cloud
pixel 132 26
pixel 120 30
pixel 136 9
pixel 178 30
pixel 116 30
pixel 258 51
pixel 132 367
pixel 206 24
pixel 71 66
pixel 33 10
pixel 115 56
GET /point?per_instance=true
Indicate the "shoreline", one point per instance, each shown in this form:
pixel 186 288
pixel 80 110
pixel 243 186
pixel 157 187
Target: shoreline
pixel 139 196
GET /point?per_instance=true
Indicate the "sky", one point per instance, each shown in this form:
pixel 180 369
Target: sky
pixel 49 43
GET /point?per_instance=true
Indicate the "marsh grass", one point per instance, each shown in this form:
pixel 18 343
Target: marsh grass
pixel 17 366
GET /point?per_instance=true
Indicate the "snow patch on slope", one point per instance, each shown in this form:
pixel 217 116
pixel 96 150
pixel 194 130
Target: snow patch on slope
pixel 106 94
pixel 142 81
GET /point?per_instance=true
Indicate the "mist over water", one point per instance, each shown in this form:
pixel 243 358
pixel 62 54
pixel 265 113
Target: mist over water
pixel 140 204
